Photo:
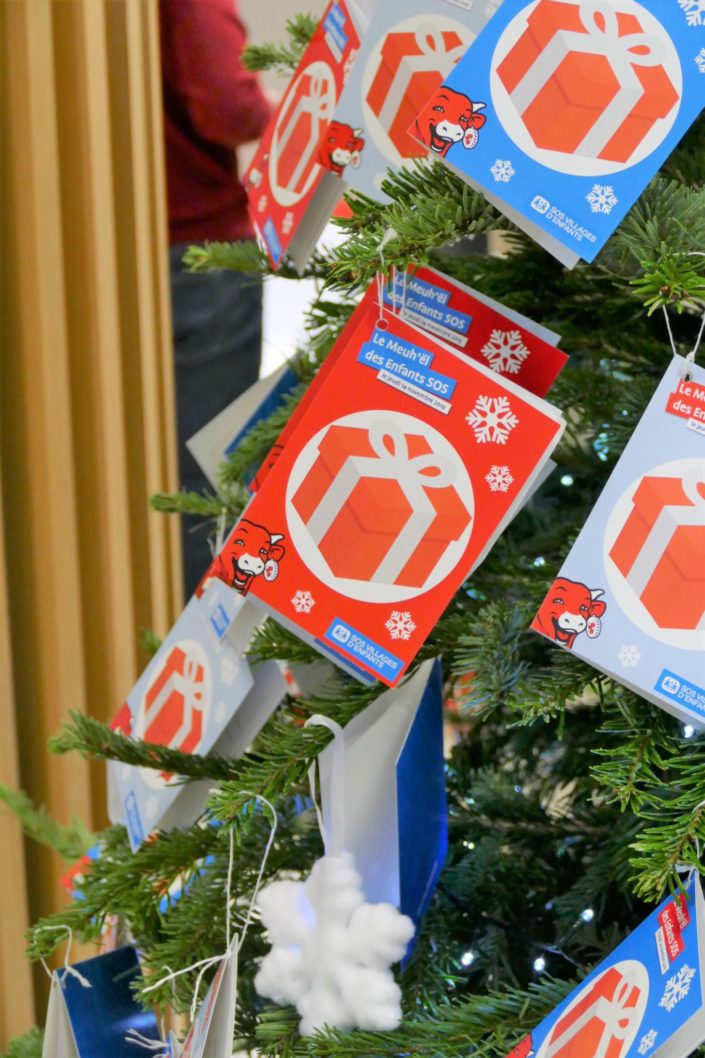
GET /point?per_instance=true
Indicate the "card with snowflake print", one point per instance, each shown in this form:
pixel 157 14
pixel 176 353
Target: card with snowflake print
pixel 396 815
pixel 630 597
pixel 407 49
pixel 293 182
pixel 645 999
pixel 197 694
pixel 562 144
pixel 404 467
pixel 483 329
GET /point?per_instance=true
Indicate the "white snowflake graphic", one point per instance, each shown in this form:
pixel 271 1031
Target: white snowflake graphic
pixel 261 203
pixel 602 198
pixel 288 222
pixel 255 177
pixel 628 656
pixel 505 351
pixel 229 668
pixel 694 11
pixel 498 478
pixel 220 712
pixel 303 602
pixel 502 171
pixel 151 808
pixel 349 62
pixel 492 419
pixel 647 1041
pixel 677 987
pixel 399 624
pixel 700 60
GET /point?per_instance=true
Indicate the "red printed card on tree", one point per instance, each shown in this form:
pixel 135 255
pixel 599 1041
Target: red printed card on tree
pixel 393 486
pixel 504 340
pixel 292 185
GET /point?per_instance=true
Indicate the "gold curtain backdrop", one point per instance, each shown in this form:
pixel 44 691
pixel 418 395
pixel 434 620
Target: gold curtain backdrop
pixel 86 416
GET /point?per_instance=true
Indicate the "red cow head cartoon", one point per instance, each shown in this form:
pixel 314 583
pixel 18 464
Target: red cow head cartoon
pixel 341 145
pixel 524 1049
pixel 569 609
pixel 249 551
pixel 448 118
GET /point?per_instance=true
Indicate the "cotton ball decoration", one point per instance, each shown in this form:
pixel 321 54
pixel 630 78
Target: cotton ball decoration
pixel 331 952
pixel 332 960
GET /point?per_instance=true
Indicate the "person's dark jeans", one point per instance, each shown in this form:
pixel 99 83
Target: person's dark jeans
pixel 217 318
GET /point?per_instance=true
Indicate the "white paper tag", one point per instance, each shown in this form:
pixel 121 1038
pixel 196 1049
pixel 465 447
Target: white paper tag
pixel 211 1035
pixel 58 1037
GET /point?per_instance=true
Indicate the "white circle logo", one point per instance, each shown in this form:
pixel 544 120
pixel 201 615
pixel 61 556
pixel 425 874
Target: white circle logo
pixel 380 506
pixel 629 573
pixel 292 164
pixel 175 705
pixel 391 105
pixel 617 50
pixel 619 998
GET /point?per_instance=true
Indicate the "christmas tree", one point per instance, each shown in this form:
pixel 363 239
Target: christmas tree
pixel 572 801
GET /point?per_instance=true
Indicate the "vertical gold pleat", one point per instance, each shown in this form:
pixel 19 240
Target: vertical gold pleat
pixel 86 405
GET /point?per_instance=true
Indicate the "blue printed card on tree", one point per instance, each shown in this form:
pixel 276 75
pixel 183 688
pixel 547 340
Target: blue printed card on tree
pixel 645 999
pixel 562 111
pixel 94 1011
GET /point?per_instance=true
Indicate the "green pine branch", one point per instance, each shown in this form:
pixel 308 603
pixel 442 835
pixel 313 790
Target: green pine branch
pixel 29 1045
pixel 70 841
pixel 283 58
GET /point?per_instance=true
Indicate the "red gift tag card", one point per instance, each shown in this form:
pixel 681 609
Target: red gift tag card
pixel 392 486
pixel 510 344
pixel 294 153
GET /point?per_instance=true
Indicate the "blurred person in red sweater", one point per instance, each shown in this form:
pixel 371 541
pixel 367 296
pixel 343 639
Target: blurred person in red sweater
pixel 212 105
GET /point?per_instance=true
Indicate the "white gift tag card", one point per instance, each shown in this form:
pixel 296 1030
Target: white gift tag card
pixel 93 1015
pixel 211 1035
pixel 396 813
pixel 214 442
pixel 407 50
pixel 630 597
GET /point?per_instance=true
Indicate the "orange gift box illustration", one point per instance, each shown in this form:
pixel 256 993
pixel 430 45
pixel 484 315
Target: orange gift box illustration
pixel 411 68
pixel 587 80
pixel 661 549
pixel 309 110
pixel 174 703
pixel 380 504
pixel 600 1021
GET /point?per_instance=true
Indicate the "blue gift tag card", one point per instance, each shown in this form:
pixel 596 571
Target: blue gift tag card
pixel 395 796
pixel 630 597
pixel 645 999
pixel 562 111
pixel 93 1015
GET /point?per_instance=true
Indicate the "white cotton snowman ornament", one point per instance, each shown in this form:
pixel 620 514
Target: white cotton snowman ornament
pixel 331 952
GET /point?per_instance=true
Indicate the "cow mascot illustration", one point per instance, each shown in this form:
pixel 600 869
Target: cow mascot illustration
pixel 449 117
pixel 249 551
pixel 341 145
pixel 569 609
